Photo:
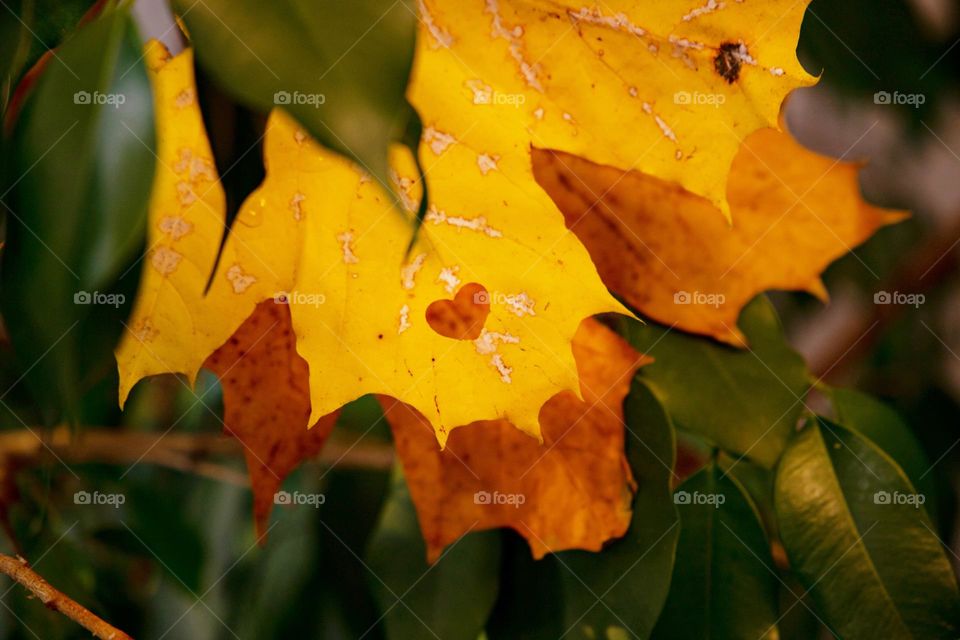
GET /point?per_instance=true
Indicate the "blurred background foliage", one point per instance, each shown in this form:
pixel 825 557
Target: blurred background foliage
pixel 179 558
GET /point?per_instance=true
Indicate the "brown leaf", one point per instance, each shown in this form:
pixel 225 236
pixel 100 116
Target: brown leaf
pixel 573 491
pixel 673 257
pixel 267 402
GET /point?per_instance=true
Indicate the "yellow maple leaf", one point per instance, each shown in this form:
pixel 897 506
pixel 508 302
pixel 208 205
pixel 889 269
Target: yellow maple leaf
pixel 668 253
pixel 174 326
pixel 669 88
pixel 323 233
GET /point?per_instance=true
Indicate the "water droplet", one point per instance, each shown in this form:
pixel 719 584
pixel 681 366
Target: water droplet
pixel 253 216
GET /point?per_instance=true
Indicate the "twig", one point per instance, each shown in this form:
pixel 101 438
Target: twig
pixel 187 452
pixel 18 569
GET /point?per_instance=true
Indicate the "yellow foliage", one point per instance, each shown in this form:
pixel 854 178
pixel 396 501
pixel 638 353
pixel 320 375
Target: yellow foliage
pixel 668 88
pixel 323 233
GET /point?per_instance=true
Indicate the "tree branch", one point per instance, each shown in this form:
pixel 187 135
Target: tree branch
pixel 18 569
pixel 188 452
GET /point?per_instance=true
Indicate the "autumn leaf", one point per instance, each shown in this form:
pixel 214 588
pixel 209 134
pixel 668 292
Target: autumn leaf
pixel 570 492
pixel 634 85
pixel 575 487
pixel 669 254
pixel 174 327
pixel 266 402
pixel 323 235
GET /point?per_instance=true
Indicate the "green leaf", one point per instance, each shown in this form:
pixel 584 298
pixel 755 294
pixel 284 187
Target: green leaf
pixel 747 402
pixel 450 599
pixel 82 167
pixel 28 29
pixel 620 591
pixel 15 19
pixel 724 584
pixel 340 71
pixel 855 535
pixel 530 602
pixel 883 426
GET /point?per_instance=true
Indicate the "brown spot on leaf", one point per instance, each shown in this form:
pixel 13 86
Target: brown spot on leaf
pixel 727 63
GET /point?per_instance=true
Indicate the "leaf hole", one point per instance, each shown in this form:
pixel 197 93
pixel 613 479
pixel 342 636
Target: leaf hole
pixel 463 317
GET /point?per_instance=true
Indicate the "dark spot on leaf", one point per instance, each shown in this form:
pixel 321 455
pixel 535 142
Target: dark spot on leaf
pixel 727 63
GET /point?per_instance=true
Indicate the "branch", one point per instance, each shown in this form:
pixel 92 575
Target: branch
pixel 187 452
pixel 18 569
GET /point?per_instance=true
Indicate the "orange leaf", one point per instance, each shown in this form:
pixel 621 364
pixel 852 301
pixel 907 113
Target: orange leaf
pixel 571 492
pixel 267 402
pixel 672 256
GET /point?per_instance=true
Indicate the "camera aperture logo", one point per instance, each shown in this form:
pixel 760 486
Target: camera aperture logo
pixel 895 297
pixel 697 498
pixel 496 498
pixel 914 500
pixel 96 498
pixel 114 300
pixel 714 300
pixel 299 499
pixel 286 98
pixel 299 297
pixel 96 98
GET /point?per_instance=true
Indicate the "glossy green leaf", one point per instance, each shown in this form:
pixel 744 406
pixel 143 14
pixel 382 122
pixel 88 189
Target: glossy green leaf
pixel 620 591
pixel 450 599
pixel 856 535
pixel 15 19
pixel 28 29
pixel 724 584
pixel 745 401
pixel 80 179
pixel 530 602
pixel 340 69
pixel 883 426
